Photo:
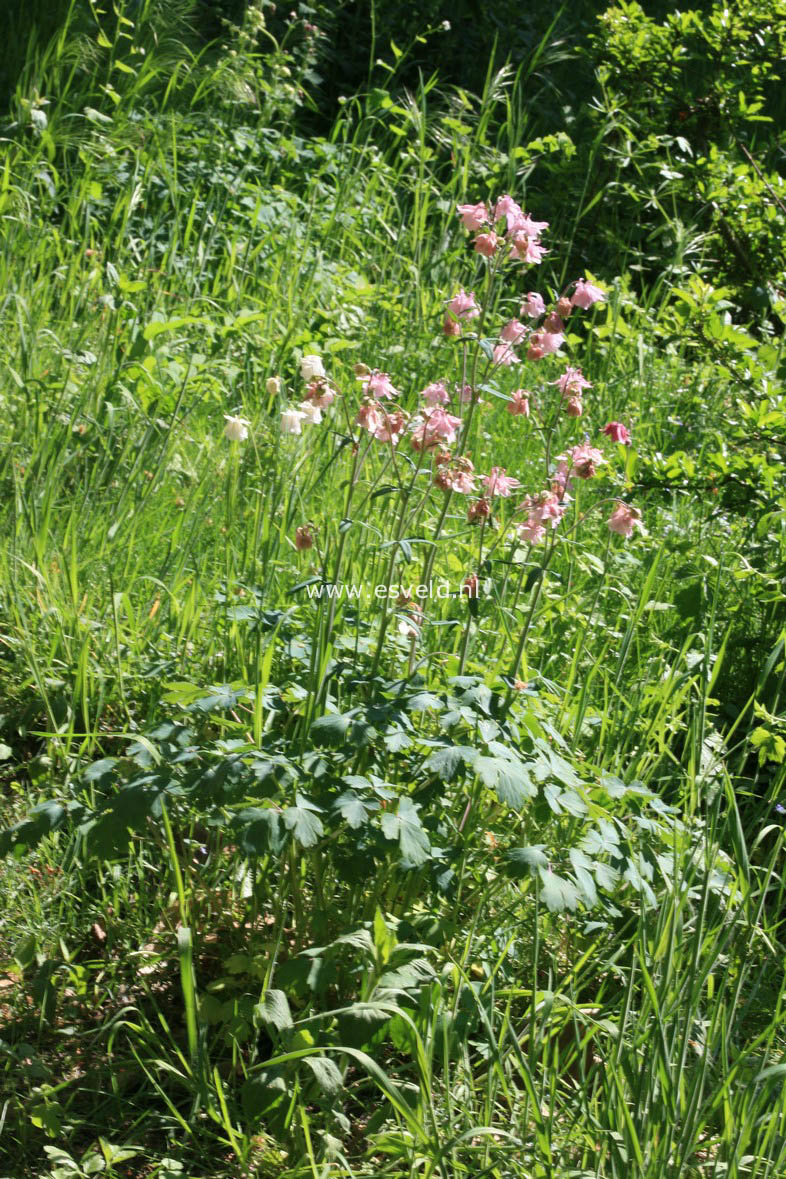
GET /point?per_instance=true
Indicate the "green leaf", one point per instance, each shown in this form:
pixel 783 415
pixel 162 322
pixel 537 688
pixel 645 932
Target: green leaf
pixel 331 729
pixel 523 861
pixel 327 1073
pixel 303 821
pixel 557 892
pixel 406 827
pixel 508 779
pixel 273 1010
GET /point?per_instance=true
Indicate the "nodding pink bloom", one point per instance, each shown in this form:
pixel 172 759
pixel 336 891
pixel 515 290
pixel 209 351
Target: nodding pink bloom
pixel 449 326
pixel 441 456
pixel 435 394
pixel 471 585
pixel 519 404
pixel 550 342
pixel 303 538
pixel 486 244
pixel 473 216
pixel 533 305
pixel 617 433
pixel 586 294
pixel 311 412
pixel 506 207
pixel 547 507
pixel 465 395
pixel 624 519
pixel 524 224
pixel 290 421
pixel 320 394
pixel 377 384
pixel 458 476
pixel 535 352
pixel 531 531
pixel 392 428
pixel 478 511
pixel 527 249
pixel 563 307
pixel 437 426
pixel 371 417
pixel 584 460
pixel 553 323
pixel 552 507
pixel 561 481
pixel 463 306
pixel 503 354
pixel 572 382
pixel 513 332
pixel 500 483
pixel 574 407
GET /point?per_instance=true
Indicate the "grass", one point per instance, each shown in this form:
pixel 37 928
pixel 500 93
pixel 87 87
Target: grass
pixel 288 923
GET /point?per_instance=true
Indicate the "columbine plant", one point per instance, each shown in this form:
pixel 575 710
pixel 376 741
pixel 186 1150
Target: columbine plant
pixel 430 448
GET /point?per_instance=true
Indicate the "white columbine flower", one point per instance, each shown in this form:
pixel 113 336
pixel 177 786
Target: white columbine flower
pixel 311 413
pixel 312 368
pixel 236 429
pixel 290 421
pixel 273 386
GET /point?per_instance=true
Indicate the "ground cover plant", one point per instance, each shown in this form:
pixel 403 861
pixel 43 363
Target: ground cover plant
pixel 391 632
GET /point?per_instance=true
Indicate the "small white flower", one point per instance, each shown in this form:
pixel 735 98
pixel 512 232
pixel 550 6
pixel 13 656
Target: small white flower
pixel 273 386
pixel 290 421
pixel 312 414
pixel 236 429
pixel 312 368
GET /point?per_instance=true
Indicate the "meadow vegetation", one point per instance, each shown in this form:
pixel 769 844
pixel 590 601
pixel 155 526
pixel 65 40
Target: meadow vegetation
pixel 307 870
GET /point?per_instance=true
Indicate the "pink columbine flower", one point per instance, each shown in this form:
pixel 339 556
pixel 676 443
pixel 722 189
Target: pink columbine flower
pixel 586 294
pixel 574 407
pixel 531 531
pixel 506 207
pixel 370 417
pixel 290 421
pixel 527 249
pixel 500 483
pixel 303 538
pixel 584 460
pixel 504 355
pixel 571 382
pixel 553 323
pixel 435 394
pixel 320 394
pixel 563 307
pixel 465 394
pixel 548 507
pixel 486 244
pixel 524 224
pixel 437 426
pixel 479 510
pixel 311 412
pixel 458 476
pixel 544 344
pixel 463 306
pixel 392 428
pixel 473 216
pixel 377 384
pixel 533 306
pixel 617 433
pixel 561 481
pixel 513 332
pixel 519 404
pixel 449 326
pixel 624 519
